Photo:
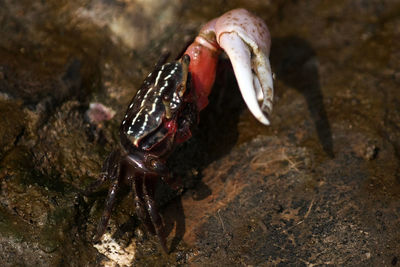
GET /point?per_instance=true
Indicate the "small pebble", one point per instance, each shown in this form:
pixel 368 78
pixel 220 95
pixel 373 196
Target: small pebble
pixel 97 113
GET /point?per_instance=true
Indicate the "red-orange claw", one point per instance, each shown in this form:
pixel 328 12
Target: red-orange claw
pixel 203 64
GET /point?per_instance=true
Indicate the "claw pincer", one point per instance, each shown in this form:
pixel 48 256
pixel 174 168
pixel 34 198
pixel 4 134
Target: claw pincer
pixel 246 40
pixel 165 109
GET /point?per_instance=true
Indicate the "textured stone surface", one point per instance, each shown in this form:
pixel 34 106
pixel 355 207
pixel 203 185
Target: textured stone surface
pixel 320 186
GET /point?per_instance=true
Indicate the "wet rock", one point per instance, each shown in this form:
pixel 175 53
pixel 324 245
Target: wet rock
pixel 64 148
pixel 318 187
pixel 12 125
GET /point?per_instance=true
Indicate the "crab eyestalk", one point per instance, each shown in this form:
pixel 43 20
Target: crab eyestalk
pixel 246 40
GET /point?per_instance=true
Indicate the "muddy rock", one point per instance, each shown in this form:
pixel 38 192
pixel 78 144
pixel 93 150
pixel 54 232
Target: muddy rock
pixel 320 186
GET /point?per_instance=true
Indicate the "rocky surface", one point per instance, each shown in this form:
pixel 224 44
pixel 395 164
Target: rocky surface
pixel 320 186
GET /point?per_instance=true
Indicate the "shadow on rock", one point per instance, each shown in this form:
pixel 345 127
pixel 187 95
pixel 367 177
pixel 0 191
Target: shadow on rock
pixel 214 138
pixel 175 218
pixel 295 63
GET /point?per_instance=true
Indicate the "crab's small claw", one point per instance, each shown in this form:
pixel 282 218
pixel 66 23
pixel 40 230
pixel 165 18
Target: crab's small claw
pixel 246 40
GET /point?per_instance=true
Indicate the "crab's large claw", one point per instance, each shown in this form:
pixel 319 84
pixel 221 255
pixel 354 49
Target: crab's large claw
pixel 246 40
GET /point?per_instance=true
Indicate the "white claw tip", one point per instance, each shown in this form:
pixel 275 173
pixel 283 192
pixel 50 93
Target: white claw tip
pixel 263 120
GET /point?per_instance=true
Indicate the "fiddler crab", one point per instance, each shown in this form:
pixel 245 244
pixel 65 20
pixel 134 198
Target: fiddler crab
pixel 166 108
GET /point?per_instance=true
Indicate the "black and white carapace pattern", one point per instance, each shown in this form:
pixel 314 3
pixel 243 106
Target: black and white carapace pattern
pixel 148 108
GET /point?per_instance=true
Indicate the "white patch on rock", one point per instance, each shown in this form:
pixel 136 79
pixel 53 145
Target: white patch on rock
pixel 114 252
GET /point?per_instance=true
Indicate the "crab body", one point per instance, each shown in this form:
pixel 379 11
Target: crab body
pixel 166 108
pixel 157 113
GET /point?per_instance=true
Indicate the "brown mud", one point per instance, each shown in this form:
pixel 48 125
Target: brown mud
pixel 320 186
